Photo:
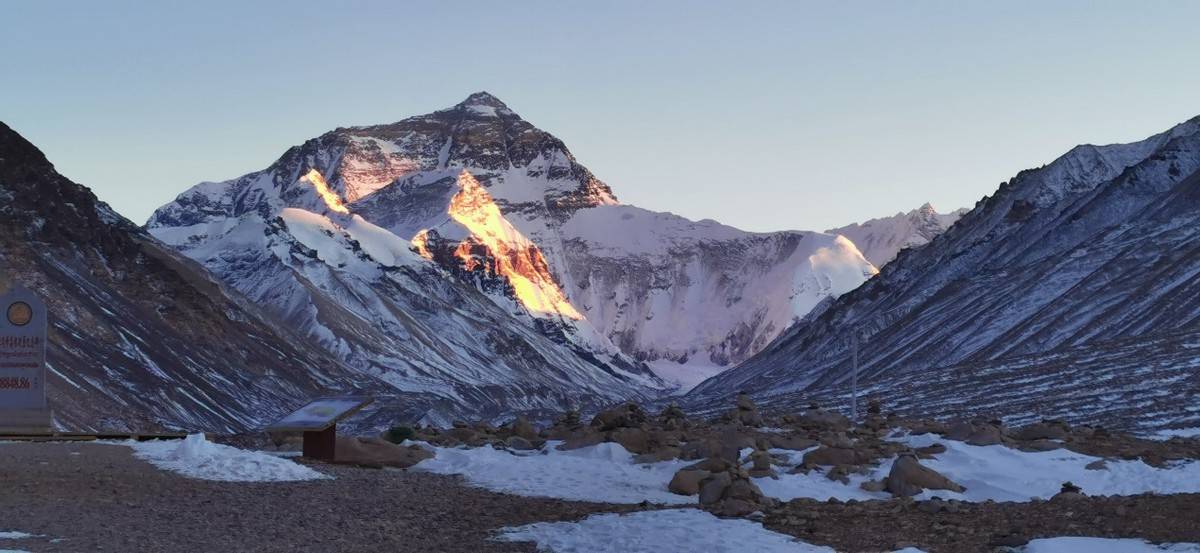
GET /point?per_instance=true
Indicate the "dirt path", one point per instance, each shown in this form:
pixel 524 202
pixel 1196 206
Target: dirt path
pixel 96 497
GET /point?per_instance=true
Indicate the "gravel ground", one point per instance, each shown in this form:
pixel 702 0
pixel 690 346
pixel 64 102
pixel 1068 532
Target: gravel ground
pixel 95 497
pixel 956 527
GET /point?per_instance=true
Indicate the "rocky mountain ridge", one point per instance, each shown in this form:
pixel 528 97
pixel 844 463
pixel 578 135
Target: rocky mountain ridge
pixel 623 283
pixel 1090 250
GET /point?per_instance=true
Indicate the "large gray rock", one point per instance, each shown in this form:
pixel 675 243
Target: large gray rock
pixel 908 477
pixel 687 481
pixel 712 489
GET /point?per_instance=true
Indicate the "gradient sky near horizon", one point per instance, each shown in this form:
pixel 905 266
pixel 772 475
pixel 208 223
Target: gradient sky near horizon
pixel 762 115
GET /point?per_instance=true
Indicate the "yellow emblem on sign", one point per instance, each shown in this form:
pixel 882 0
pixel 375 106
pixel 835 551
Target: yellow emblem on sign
pixel 20 313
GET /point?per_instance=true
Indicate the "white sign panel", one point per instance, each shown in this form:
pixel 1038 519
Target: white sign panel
pixel 22 350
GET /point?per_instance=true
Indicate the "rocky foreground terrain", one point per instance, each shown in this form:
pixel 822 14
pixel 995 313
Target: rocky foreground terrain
pixel 725 458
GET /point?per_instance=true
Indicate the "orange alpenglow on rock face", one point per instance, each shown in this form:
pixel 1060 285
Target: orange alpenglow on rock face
pixel 515 257
pixel 332 200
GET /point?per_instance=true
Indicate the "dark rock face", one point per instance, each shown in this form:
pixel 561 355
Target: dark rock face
pixel 141 337
pixel 1066 269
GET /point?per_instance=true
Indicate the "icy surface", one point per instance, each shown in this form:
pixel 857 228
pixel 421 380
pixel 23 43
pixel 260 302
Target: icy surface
pixel 1103 545
pixel 603 473
pixel 665 531
pixel 198 458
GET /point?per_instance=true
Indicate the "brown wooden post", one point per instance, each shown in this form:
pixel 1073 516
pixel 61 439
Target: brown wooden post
pixel 321 444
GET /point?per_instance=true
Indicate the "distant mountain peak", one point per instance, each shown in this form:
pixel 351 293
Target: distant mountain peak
pixel 482 98
pixel 881 239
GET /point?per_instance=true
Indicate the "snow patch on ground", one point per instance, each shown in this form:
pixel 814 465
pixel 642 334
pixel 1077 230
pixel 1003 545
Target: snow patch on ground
pixel 1004 474
pixel 1164 435
pixel 1103 545
pixel 666 531
pixel 15 535
pixel 198 458
pixel 606 473
pixel 602 473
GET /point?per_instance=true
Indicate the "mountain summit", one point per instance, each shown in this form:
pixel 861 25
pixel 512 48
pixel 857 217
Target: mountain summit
pixel 505 208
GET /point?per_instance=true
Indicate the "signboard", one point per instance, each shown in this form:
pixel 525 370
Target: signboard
pixel 320 414
pixel 22 350
pixel 23 325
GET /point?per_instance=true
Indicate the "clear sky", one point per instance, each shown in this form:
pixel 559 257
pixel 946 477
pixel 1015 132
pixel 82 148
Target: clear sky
pixel 763 115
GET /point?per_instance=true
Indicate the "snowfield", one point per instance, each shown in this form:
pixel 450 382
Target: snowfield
pixel 606 473
pixel 1104 545
pixel 602 473
pixel 196 457
pixel 666 531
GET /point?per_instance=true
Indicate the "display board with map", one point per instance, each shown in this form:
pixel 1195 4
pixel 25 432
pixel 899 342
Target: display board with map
pixel 320 414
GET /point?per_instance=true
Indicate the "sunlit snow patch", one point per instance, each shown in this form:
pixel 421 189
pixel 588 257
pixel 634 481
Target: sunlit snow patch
pixel 1105 545
pixel 601 473
pixel 196 457
pixel 666 531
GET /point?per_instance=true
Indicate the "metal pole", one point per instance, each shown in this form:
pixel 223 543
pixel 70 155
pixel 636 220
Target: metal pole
pixel 854 380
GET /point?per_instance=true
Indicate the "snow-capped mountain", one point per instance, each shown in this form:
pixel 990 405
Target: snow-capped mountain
pixel 140 336
pixel 504 207
pixel 880 240
pixel 1097 248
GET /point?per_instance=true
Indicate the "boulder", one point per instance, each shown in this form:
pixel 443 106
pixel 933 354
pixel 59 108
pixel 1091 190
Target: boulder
pixel 959 431
pixel 744 403
pixel 712 464
pixel 524 429
pixel 657 454
pixel 761 467
pixel 839 473
pixel 873 485
pixel 986 434
pixel 375 452
pixel 908 477
pixel 1039 445
pixel 580 439
pixel 930 450
pixel 1099 464
pixel 1045 430
pixel 519 443
pixel 712 489
pixel 927 427
pixel 831 456
pixel 700 449
pixel 629 415
pixel 687 481
pixel 1068 492
pixel 634 440
pixel 793 442
pixel 821 418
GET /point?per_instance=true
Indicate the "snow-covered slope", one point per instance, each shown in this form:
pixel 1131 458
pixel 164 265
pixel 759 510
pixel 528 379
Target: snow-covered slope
pixel 881 239
pixel 1097 247
pixel 505 207
pixel 142 337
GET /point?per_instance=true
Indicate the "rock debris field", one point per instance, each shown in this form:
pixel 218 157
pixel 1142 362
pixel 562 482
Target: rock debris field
pixel 625 480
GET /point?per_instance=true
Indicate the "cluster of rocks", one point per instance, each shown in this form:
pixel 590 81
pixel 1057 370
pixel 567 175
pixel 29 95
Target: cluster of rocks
pixel 729 451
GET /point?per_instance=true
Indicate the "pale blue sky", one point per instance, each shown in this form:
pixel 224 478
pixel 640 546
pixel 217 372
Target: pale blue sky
pixel 763 115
